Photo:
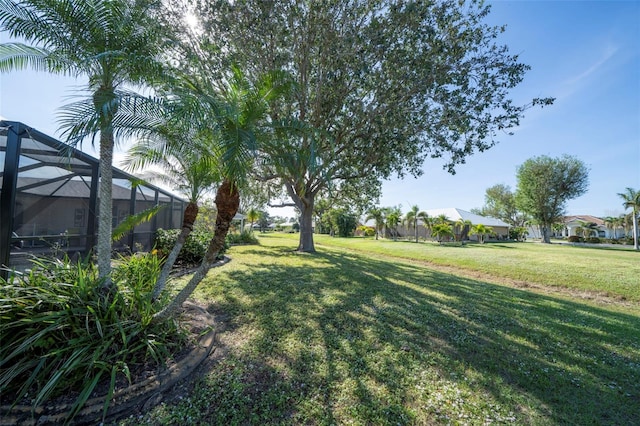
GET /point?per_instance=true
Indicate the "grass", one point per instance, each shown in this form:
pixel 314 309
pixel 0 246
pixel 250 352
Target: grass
pixel 342 337
pixel 610 272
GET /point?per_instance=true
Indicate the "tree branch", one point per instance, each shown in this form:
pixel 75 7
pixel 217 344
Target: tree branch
pixel 282 205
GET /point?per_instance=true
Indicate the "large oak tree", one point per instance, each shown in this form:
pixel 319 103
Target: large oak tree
pixel 380 86
pixel 545 185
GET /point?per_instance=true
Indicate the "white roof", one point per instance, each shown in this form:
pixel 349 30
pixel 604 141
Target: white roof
pixel 455 214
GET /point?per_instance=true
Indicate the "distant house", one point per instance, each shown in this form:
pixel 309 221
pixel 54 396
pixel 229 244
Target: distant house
pixel 453 215
pixel 573 224
pixel 500 228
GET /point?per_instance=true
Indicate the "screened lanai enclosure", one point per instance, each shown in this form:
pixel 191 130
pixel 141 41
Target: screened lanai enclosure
pixel 49 200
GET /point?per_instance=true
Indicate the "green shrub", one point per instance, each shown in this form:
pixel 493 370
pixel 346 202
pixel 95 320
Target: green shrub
pixel 194 247
pixel 62 331
pixel 367 231
pixel 593 240
pixel 574 239
pixel 244 237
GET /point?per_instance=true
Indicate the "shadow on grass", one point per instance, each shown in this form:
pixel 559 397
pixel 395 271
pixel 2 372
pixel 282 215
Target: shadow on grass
pixel 346 337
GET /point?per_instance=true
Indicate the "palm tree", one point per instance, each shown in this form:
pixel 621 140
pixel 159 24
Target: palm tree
pixel 111 42
pixel 393 217
pixel 627 223
pixel 427 221
pixel 253 215
pixel 376 214
pixel 442 219
pixel 235 109
pixel 481 230
pixel 609 223
pixel 631 200
pixel 617 224
pixel 462 227
pixel 586 228
pixel 189 168
pixel 441 231
pixel 411 218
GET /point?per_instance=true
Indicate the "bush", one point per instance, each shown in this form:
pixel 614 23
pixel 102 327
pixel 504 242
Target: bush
pixel 518 233
pixel 574 239
pixel 593 240
pixel 244 237
pixel 62 331
pixel 367 231
pixel 194 247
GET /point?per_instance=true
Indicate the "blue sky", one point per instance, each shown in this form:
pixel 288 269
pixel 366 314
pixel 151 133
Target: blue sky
pixel 586 54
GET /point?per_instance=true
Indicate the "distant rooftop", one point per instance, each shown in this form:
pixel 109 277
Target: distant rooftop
pixel 583 218
pixel 455 214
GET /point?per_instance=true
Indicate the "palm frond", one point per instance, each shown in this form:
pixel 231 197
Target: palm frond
pixel 134 220
pixel 130 115
pixel 18 56
pixel 187 166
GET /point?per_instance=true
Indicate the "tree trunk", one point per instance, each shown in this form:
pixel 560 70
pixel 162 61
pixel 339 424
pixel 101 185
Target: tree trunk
pixel 306 229
pixel 636 243
pixel 105 208
pixel 305 204
pixel 190 214
pixel 544 231
pixel 415 228
pixel 227 201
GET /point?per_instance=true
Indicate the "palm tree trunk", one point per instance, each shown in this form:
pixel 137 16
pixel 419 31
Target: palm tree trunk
pixel 190 214
pixel 105 207
pixel 227 201
pixel 636 243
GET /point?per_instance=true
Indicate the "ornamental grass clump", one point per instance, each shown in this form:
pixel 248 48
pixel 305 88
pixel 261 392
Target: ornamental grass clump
pixel 61 330
pixel 244 237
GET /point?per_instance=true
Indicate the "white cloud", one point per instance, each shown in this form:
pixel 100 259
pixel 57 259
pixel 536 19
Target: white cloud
pixel 608 53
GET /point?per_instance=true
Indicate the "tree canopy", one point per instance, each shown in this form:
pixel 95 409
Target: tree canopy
pixel 500 202
pixel 545 185
pixel 379 86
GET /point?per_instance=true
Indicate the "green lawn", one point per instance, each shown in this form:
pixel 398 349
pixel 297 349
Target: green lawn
pixel 343 337
pixel 612 272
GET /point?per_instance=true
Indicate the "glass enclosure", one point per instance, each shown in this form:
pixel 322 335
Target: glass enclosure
pixel 49 199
